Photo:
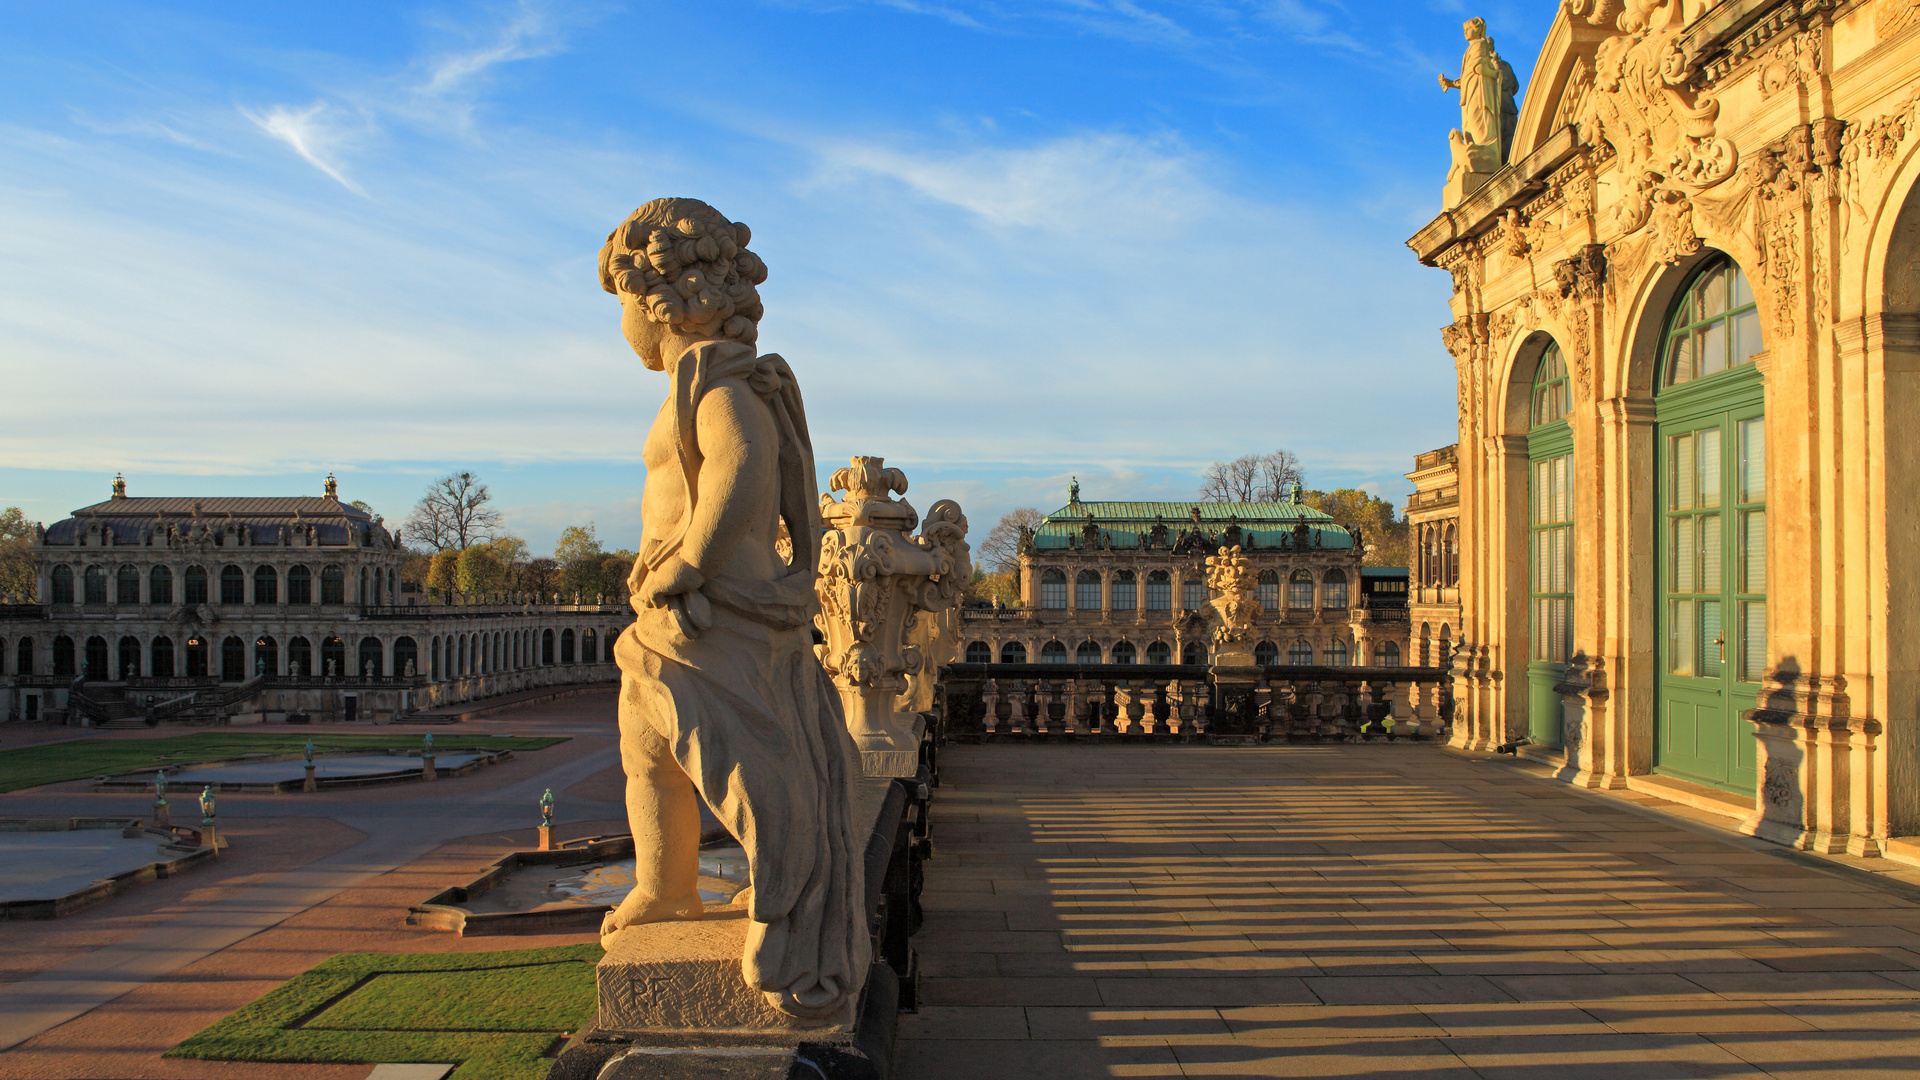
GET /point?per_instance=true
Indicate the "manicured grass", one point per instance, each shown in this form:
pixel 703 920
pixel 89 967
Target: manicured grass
pixel 31 766
pixel 496 1013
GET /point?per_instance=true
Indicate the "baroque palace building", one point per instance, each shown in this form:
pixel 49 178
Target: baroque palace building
pixel 267 609
pixel 1125 582
pixel 1433 527
pixel 1687 334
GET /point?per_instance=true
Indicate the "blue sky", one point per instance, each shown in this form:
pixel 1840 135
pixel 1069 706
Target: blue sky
pixel 1009 242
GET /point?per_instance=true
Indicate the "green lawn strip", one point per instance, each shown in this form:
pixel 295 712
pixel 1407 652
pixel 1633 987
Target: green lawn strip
pixel 31 766
pixel 496 1013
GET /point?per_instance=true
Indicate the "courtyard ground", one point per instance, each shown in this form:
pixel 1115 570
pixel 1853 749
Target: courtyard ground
pixel 1095 911
pixel 1384 910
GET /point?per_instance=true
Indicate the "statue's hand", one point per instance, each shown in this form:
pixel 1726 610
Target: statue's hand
pixel 1447 84
pixel 675 585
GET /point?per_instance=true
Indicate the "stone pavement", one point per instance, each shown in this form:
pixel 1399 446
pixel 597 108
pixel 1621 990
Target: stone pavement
pixel 1382 910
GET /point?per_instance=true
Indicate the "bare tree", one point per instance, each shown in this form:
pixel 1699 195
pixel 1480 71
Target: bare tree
pixel 1251 478
pixel 1000 551
pixel 454 513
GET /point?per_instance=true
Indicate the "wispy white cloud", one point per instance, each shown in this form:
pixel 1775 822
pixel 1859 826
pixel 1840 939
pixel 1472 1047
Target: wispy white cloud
pixel 308 134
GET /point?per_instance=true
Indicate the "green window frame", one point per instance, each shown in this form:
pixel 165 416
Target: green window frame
pixel 1550 477
pixel 1712 530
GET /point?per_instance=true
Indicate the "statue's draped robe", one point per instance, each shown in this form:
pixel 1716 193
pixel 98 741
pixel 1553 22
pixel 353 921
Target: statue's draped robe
pixel 751 716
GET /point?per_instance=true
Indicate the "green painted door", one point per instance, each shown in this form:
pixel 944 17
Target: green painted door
pixel 1710 461
pixel 1550 547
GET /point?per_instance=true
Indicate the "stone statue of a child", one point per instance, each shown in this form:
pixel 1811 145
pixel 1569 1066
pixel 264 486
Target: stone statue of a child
pixel 719 681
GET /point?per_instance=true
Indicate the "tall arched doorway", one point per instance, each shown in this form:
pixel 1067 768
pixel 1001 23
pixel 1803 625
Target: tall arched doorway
pixel 1711 524
pixel 1549 545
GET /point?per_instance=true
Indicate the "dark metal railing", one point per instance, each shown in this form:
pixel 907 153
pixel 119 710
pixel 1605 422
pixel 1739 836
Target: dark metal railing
pixel 1185 702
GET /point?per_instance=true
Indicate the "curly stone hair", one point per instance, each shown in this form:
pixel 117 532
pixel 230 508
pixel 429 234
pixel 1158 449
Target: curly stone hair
pixel 689 266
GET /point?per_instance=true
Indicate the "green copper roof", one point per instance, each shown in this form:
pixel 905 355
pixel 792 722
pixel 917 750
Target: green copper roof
pixel 1123 524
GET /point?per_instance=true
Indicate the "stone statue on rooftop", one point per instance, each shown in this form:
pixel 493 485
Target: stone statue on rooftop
pixel 1487 114
pixel 720 684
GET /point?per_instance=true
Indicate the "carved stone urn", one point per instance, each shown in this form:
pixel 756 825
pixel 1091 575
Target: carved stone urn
pixel 1231 579
pixel 874 580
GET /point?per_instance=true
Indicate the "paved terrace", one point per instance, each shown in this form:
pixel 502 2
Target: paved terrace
pixel 1383 910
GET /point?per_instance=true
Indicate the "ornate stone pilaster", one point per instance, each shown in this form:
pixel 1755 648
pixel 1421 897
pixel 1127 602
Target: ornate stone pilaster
pixel 874 578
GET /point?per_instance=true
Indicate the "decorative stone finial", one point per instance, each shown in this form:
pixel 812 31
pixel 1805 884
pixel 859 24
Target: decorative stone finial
pixel 1073 491
pixel 1230 575
pixel 119 486
pixel 546 809
pixel 874 579
pixel 333 489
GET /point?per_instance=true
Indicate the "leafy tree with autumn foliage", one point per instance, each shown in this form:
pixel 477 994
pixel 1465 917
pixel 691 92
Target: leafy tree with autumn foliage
pixel 996 566
pixel 1384 535
pixel 17 577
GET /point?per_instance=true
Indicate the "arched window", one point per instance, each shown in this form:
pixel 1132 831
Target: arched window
pixel 1386 654
pixel 98 664
pixel 126 585
pixel 1270 590
pixel 1267 654
pixel 393 586
pixel 1159 591
pixel 1193 653
pixel 233 659
pixel 1013 652
pixel 979 652
pixel 1300 653
pixel 1193 594
pixel 1125 597
pixel 63 661
pixel 1087 653
pixel 406 656
pixel 546 646
pixel 299 585
pixel 1450 552
pixel 194 586
pixel 1715 326
pixel 62 585
pixel 233 585
pixel 372 658
pixel 160 658
pixel 196 657
pixel 364 592
pixel 1053 590
pixel 1336 654
pixel 266 656
pixel 333 585
pixel 300 658
pixel 606 646
pixel 566 646
pixel 1159 652
pixel 160 585
pixel 457 659
pixel 23 657
pixel 1053 652
pixel 266 585
pixel 96 585
pixel 1550 387
pixel 434 648
pixel 1333 589
pixel 333 657
pixel 129 665
pixel 1086 591
pixel 1124 653
pixel 1300 591
pixel 589 646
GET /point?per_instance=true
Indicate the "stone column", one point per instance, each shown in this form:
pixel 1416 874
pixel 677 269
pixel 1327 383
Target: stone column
pixel 874 579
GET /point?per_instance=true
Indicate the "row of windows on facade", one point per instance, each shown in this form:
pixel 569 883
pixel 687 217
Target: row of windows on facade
pixel 1193 594
pixel 1438 555
pixel 455 655
pixel 233 585
pixel 1266 653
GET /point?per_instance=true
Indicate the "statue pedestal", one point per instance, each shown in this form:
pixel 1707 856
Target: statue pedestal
pixel 895 752
pixel 1234 721
pixel 672 1002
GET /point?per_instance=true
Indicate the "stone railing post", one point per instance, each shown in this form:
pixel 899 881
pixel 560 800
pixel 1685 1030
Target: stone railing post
pixel 874 579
